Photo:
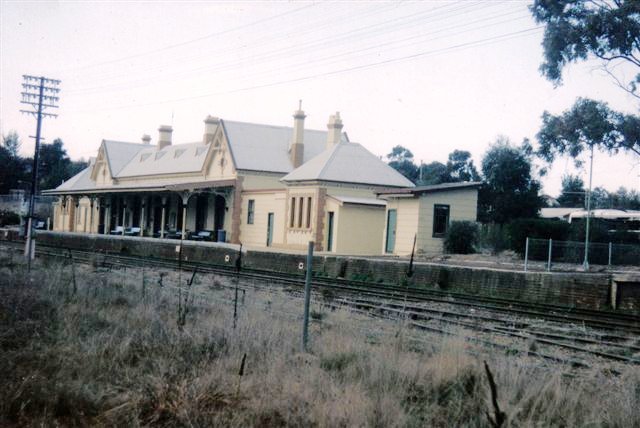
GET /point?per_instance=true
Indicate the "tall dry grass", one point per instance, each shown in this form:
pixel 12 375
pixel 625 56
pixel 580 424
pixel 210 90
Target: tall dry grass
pixel 111 355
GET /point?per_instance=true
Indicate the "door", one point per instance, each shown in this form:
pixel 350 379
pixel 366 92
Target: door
pixel 330 232
pixel 269 229
pixel 391 231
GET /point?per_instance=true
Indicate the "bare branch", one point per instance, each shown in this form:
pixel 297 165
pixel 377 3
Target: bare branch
pixel 619 83
pixel 628 58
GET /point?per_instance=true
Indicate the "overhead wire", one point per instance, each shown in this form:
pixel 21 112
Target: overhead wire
pixel 221 49
pixel 197 39
pixel 321 42
pixel 440 51
pixel 148 80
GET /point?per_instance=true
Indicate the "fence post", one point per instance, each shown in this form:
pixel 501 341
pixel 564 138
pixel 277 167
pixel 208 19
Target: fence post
pixel 526 254
pixel 549 255
pixel 307 298
pixel 610 251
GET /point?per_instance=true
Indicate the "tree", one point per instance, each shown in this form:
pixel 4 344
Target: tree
pixel 13 168
pixel 573 193
pixel 600 198
pixel 12 143
pixel 401 159
pixel 460 167
pixel 434 173
pixel 510 190
pixel 587 124
pixel 55 165
pixel 624 199
pixel 575 30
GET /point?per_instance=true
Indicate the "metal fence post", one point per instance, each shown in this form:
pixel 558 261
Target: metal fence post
pixel 610 252
pixel 526 254
pixel 307 298
pixel 549 256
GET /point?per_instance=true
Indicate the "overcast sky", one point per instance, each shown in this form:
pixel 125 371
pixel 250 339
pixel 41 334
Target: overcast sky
pixel 433 76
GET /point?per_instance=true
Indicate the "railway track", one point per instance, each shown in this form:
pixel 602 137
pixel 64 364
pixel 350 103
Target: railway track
pixel 383 300
pixel 605 320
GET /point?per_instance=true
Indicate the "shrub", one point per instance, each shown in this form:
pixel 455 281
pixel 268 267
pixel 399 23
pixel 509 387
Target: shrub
pixel 603 231
pixel 539 228
pixel 9 218
pixel 493 237
pixel 461 237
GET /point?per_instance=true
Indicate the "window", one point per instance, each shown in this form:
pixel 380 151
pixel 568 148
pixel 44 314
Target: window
pixel 293 212
pixel 250 210
pixel 300 212
pixel 440 220
pixel 308 213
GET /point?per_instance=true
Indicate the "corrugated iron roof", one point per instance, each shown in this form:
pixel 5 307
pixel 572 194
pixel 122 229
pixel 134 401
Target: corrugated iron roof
pixel 258 147
pixel 359 201
pixel 429 189
pixel 181 158
pixel 348 163
pixel 119 153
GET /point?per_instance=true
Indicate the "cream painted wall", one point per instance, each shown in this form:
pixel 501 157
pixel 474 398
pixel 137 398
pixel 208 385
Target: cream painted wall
pixel 298 237
pixel 220 166
pixel 81 216
pixel 191 213
pixel 463 205
pixel 356 192
pixel 256 181
pixel 415 215
pixel 265 202
pixel 406 224
pixel 359 229
pixel 331 206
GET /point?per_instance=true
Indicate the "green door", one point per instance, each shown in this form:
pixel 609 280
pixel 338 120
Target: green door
pixel 330 232
pixel 391 231
pixel 269 229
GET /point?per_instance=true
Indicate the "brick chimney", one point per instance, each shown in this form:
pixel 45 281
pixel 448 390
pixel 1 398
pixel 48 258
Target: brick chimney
pixel 296 151
pixel 210 126
pixel 334 130
pixel 146 139
pixel 165 136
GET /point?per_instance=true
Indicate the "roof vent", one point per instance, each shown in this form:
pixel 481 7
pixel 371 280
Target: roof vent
pixel 146 139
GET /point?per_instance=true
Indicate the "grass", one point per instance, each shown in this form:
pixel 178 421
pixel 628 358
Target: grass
pixel 111 355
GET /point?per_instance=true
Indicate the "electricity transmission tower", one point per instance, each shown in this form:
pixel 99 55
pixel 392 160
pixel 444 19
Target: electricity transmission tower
pixel 41 93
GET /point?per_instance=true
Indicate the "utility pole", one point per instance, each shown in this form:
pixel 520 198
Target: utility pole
pixel 585 264
pixel 41 93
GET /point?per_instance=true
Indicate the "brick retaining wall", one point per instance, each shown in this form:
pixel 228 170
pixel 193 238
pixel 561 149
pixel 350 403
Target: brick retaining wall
pixel 569 289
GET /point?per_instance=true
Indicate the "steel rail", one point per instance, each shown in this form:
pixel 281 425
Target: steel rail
pixel 604 319
pixel 207 269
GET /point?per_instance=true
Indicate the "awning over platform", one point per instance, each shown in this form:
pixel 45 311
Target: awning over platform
pixel 173 187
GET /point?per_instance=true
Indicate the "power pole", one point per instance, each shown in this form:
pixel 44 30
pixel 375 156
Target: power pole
pixel 585 264
pixel 41 93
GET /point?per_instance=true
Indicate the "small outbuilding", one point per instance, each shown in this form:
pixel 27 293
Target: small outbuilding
pixel 425 212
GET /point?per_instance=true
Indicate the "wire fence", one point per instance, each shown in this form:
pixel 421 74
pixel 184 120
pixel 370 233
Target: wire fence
pixel 552 252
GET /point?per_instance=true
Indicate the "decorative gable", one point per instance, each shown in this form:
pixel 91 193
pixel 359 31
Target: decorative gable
pixel 100 173
pixel 219 162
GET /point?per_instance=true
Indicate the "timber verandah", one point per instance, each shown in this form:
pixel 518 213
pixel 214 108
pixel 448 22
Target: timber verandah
pixel 162 211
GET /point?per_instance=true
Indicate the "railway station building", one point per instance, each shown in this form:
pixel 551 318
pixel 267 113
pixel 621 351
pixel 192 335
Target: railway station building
pixel 259 185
